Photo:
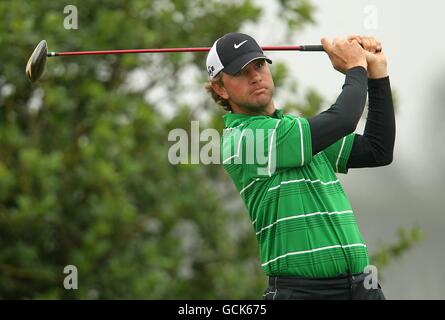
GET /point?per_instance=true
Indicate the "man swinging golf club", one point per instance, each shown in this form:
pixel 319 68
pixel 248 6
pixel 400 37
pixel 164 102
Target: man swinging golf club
pixel 310 244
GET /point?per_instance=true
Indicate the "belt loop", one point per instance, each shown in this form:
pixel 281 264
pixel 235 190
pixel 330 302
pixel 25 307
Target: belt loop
pixel 276 289
pixel 350 283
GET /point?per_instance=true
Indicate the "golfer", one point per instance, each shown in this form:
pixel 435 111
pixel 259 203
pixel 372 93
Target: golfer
pixel 310 245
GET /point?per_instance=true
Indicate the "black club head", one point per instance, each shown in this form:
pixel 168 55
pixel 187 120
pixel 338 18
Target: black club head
pixel 37 61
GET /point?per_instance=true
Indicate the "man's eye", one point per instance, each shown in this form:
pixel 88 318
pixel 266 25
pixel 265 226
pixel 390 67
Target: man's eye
pixel 260 64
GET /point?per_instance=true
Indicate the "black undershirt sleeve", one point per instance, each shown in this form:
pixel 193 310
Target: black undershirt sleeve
pixel 375 147
pixel 343 116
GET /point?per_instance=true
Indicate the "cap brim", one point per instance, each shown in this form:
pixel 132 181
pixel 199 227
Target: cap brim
pixel 237 65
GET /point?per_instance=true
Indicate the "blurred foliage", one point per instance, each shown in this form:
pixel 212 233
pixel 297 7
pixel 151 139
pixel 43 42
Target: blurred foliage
pixel 297 14
pixel 84 174
pixel 387 253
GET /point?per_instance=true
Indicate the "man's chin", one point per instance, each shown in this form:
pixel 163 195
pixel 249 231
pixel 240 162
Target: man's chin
pixel 262 102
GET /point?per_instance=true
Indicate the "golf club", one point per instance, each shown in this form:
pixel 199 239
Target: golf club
pixel 36 63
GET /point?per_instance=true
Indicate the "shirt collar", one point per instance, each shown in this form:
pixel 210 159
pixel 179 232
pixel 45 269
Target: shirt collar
pixel 235 119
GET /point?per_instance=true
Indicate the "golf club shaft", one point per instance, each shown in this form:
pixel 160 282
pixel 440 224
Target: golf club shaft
pixel 267 48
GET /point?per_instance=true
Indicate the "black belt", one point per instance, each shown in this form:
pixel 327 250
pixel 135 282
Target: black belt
pixel 340 281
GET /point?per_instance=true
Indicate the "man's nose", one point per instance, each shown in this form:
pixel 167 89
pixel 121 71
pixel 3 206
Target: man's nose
pixel 254 75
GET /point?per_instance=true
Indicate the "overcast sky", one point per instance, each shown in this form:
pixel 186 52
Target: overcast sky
pixel 412 34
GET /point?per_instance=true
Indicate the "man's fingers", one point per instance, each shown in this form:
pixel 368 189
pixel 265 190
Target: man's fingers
pixel 378 45
pixel 355 37
pixel 367 44
pixel 326 43
pixel 355 41
pixel 336 41
pixel 370 44
pixel 374 44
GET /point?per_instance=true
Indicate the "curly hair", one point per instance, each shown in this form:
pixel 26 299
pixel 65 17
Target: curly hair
pixel 217 98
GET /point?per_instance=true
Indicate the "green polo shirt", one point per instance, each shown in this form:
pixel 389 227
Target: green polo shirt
pixel 303 221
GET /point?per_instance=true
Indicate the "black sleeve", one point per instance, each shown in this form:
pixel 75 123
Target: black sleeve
pixel 342 117
pixel 375 147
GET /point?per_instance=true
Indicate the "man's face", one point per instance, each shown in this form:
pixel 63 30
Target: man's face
pixel 250 91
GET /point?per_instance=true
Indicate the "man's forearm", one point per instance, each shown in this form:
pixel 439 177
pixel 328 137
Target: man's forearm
pixel 375 147
pixel 342 118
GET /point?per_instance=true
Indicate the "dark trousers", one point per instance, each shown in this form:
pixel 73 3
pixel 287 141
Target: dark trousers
pixel 351 287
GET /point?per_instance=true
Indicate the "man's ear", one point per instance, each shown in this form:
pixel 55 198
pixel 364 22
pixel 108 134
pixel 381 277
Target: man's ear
pixel 220 90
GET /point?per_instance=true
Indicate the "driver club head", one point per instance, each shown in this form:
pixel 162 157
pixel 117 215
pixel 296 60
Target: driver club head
pixel 37 61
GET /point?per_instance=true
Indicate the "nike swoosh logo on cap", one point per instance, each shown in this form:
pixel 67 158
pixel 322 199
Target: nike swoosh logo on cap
pixel 236 46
